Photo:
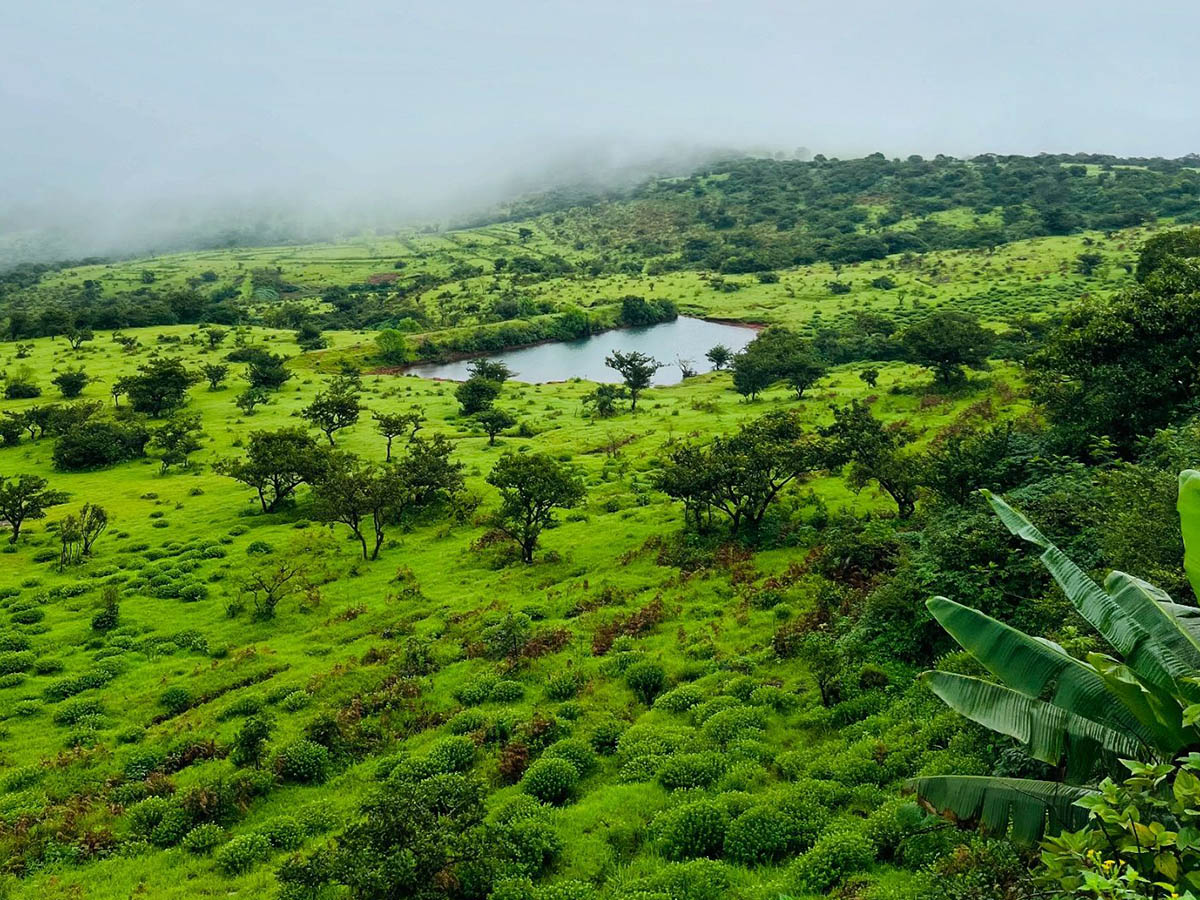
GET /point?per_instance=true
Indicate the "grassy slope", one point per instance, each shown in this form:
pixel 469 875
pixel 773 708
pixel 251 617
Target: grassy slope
pixel 321 649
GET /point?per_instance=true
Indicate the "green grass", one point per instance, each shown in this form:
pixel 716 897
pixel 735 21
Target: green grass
pixel 339 642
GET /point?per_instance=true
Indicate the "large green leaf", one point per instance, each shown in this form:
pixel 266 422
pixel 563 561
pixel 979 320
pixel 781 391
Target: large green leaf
pixel 1189 523
pixel 1033 808
pixel 1126 626
pixel 1047 731
pixel 1042 670
pixel 1167 639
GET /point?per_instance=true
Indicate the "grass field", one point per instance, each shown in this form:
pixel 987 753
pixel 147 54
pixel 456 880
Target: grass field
pixel 335 647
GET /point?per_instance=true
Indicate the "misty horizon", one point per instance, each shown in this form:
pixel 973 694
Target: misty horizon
pixel 131 129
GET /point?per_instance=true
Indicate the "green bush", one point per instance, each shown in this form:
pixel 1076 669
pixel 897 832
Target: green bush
pixel 477 690
pixel 534 845
pixel 564 685
pixel 467 721
pixel 646 679
pixel 452 754
pixel 303 761
pixel 175 699
pixel 680 699
pixel 606 736
pixel 243 853
pixel 692 830
pixel 75 711
pixel 836 854
pixel 203 839
pixel 507 692
pixel 16 661
pixel 574 751
pixel 731 724
pixel 283 833
pixel 761 834
pixel 691 770
pixel 550 780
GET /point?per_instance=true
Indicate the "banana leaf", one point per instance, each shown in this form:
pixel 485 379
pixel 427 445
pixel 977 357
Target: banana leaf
pixel 1189 523
pixel 1031 808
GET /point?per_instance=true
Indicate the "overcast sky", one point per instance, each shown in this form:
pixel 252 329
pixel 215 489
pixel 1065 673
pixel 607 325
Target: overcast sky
pixel 120 120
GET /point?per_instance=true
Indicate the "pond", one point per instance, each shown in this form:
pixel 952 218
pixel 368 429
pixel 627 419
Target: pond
pixel 684 338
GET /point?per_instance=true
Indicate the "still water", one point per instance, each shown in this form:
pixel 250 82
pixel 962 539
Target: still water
pixel 685 338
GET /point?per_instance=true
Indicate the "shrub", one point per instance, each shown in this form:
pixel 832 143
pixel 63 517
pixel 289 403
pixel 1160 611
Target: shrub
pixel 467 721
pixel 730 724
pixel 175 699
pixel 283 833
pixel 477 690
pixel 75 711
pixel 692 830
pixel 161 821
pixel 550 780
pixel 691 770
pixel 606 736
pixel 295 701
pixel 760 834
pixel 303 761
pixel 574 751
pixel 646 679
pixel 242 853
pixel 452 754
pixel 680 699
pixel 564 685
pixel 835 855
pixel 507 692
pixel 534 844
pixel 16 661
pixel 203 839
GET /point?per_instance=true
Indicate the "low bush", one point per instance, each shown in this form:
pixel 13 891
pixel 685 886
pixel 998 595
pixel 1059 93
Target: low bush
pixel 550 780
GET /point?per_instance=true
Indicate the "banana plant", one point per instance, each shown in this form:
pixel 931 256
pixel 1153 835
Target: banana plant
pixel 1141 702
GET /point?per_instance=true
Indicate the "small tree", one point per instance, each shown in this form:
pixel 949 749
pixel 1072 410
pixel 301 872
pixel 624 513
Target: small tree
pixel 334 409
pixel 215 336
pixel 70 383
pixel 393 347
pixel 250 743
pixel 215 374
pixel 176 439
pixel 270 583
pixel 490 370
pixel 637 369
pixel 947 340
pixel 604 399
pixel 77 337
pixel 266 371
pixel 26 497
pixel 159 387
pixel 752 374
pixel 477 394
pixel 392 425
pixel 250 398
pixel 350 491
pixel 874 452
pixel 531 487
pixel 93 522
pixel 719 357
pixel 801 371
pixel 493 421
pixel 870 376
pixel 276 463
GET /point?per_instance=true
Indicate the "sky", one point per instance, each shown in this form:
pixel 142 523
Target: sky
pixel 125 124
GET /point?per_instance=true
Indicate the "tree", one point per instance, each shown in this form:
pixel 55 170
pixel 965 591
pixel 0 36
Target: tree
pixel 719 357
pixel 215 336
pixel 93 522
pixel 393 346
pixel 251 397
pixel 947 340
pixel 477 394
pixel 531 487
pixel 334 409
pixel 493 421
pixel 77 337
pixel 636 368
pixel 801 371
pixel 77 534
pixel 1080 716
pixel 870 376
pixel 429 474
pixel 250 742
pixel 1166 250
pixel 270 583
pixel 874 452
pixel 26 497
pixel 1122 367
pixel 739 475
pixel 71 382
pixel 96 444
pixel 276 463
pixel 309 337
pixel 350 490
pixel 266 371
pixel 524 234
pixel 1087 263
pixel 159 387
pixel 604 399
pixel 752 374
pixel 215 374
pixel 490 370
pixel 392 425
pixel 176 439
